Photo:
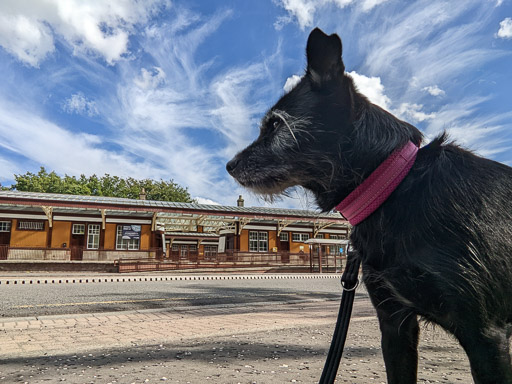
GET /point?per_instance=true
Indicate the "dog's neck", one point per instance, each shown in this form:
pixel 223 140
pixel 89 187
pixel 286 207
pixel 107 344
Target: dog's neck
pixel 369 196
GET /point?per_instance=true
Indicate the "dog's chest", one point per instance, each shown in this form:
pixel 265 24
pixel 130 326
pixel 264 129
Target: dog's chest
pixel 408 287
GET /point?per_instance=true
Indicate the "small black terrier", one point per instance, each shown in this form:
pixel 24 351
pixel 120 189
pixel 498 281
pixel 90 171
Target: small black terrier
pixel 439 247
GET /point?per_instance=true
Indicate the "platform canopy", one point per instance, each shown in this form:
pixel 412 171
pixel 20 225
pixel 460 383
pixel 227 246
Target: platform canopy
pixel 162 215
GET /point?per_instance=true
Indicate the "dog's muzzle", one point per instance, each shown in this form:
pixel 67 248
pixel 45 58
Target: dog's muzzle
pixel 231 165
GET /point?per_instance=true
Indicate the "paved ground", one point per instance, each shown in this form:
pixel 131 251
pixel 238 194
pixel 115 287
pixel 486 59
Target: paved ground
pixel 223 344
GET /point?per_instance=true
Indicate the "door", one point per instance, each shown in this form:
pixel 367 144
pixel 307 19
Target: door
pixel 283 245
pixel 5 239
pixel 183 252
pixel 77 241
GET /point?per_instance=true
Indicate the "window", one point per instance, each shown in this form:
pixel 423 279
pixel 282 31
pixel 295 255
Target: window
pixel 338 237
pixel 210 251
pixel 5 226
pixel 128 237
pixel 258 241
pixel 31 225
pixel 319 236
pixel 335 249
pixel 283 236
pixel 300 237
pixel 93 236
pixel 78 229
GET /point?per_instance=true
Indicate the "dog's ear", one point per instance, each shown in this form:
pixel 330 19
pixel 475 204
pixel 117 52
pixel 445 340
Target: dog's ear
pixel 324 56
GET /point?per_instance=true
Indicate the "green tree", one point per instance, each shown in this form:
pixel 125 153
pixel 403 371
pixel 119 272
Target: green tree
pixel 107 185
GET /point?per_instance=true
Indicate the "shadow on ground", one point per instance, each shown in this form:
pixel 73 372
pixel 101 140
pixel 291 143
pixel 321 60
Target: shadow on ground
pixel 266 357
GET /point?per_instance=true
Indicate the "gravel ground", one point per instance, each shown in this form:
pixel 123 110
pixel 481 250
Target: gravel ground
pixel 270 356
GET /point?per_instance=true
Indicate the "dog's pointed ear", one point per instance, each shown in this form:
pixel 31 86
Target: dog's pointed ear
pixel 324 56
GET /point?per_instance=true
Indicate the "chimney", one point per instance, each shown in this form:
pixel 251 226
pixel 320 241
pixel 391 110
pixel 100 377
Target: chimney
pixel 240 201
pixel 142 195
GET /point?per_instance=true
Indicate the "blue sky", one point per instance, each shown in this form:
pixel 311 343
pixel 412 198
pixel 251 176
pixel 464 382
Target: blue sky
pixel 173 89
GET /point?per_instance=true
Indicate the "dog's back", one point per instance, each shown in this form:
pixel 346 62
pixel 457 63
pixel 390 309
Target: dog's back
pixel 448 228
pixel 439 247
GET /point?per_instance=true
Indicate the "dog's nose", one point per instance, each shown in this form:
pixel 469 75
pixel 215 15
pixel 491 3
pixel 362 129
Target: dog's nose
pixel 231 165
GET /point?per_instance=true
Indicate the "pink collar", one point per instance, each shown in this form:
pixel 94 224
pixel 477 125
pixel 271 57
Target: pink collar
pixel 367 197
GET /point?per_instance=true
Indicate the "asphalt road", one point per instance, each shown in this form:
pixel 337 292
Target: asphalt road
pixel 21 300
pixel 189 335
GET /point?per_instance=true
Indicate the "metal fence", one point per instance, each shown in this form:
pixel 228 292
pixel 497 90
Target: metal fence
pixel 233 259
pixel 230 259
pixel 155 260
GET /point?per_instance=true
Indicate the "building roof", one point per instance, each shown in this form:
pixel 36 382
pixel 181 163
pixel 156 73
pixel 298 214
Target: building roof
pixel 144 206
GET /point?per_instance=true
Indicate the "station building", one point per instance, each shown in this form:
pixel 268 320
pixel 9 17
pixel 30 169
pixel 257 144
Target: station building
pixel 57 227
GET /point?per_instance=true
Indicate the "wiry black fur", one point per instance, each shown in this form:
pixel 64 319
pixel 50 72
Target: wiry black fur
pixel 440 247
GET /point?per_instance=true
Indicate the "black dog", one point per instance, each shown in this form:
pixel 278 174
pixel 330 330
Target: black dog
pixel 440 247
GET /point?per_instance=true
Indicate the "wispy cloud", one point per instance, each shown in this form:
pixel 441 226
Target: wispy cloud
pixel 303 11
pixel 191 125
pixel 122 88
pixel 46 143
pixel 486 134
pixel 9 168
pixel 426 46
pixel 233 108
pixel 167 116
pixel 424 51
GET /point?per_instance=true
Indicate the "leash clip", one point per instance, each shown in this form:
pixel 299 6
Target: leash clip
pixel 350 276
pixel 350 289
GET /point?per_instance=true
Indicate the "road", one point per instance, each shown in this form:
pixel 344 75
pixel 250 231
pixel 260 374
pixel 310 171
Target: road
pixel 248 329
pixel 39 299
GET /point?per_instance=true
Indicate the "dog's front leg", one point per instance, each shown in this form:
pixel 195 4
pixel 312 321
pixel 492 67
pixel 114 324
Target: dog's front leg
pixel 400 331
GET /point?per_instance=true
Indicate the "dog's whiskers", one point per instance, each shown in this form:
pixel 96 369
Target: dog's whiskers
pixel 293 123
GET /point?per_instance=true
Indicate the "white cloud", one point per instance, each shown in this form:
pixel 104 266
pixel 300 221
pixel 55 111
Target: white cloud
pixel 203 200
pixel 413 112
pixel 79 104
pixel 28 28
pixel 372 88
pixel 434 90
pixel 291 82
pixel 505 31
pixel 27 39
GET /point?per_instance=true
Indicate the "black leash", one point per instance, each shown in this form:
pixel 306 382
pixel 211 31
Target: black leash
pixel 349 281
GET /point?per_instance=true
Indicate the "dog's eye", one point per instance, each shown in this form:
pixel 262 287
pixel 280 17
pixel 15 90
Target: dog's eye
pixel 274 123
